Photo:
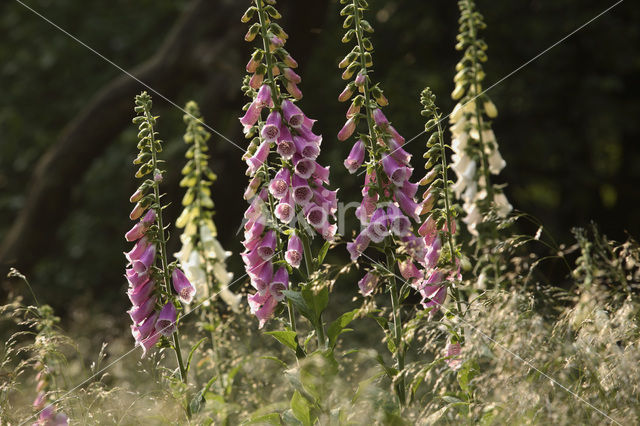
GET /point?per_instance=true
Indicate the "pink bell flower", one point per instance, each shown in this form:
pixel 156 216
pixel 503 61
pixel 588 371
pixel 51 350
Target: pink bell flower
pixel 368 283
pixel 356 157
pixel 258 158
pixel 294 252
pixel 182 286
pixel 347 130
pixel 166 322
pixel 280 282
pixel 292 114
pixel 279 185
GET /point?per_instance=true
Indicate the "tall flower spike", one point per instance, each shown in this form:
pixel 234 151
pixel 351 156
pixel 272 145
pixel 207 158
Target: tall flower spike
pixel 144 314
pixel 292 180
pixel 202 257
pixel 388 206
pixel 476 156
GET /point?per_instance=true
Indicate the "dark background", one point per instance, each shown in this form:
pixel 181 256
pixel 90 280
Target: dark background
pixel 568 125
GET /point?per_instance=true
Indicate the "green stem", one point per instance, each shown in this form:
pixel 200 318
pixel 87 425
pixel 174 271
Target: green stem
pixel 363 71
pixel 447 206
pixel 163 257
pixel 267 54
pixel 308 262
pixel 397 328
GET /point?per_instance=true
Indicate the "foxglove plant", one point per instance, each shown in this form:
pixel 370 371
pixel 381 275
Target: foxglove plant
pixel 476 155
pixel 201 255
pixel 389 207
pixel 154 313
pixel 289 200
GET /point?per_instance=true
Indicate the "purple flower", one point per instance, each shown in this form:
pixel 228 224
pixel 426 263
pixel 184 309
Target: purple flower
pixel 142 264
pixel 305 148
pixel 141 312
pixel 136 279
pixel 408 206
pixel 149 342
pixel 409 270
pixel 263 98
pixel 433 254
pixel 396 172
pixel 294 90
pixel 292 114
pixel 346 93
pixel 347 130
pixel 378 228
pixel 316 216
pixel 136 232
pixel 398 153
pixel 137 250
pixel 368 283
pixel 144 330
pixel 356 157
pixel 139 295
pixel 259 157
pixel 291 75
pixel 293 256
pixel 271 128
pixel 428 230
pixel 262 278
pixel 252 115
pixel 280 282
pixel 279 186
pixel 380 119
pixel 360 80
pixel 303 167
pixel 137 211
pixel 321 173
pixel 358 246
pixel 301 191
pixel 267 246
pixel 166 322
pixel 182 286
pixel 262 306
pixel 400 225
pixel 285 210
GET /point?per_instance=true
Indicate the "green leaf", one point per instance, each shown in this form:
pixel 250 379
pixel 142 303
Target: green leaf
pixel 193 350
pixel 323 252
pixel 270 419
pixel 337 327
pixel 287 338
pixel 300 408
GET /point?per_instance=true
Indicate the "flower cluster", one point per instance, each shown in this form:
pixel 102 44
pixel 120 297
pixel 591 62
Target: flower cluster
pixel 476 155
pixel 149 321
pixel 201 255
pixel 389 197
pixel 47 412
pixel 293 189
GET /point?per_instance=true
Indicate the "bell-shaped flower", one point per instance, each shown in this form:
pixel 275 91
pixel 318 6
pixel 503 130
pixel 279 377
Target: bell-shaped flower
pixel 301 191
pixel 251 116
pixel 293 115
pixel 368 283
pixel 279 185
pixel 271 128
pixel 433 253
pixel 396 172
pixel 378 227
pixel 303 167
pixel 261 280
pixel 182 286
pixel 138 249
pixel 280 282
pixel 166 322
pixel 293 90
pixel 399 224
pixel 408 206
pixel 263 98
pixel 136 279
pixel 262 306
pixel 409 270
pixel 356 157
pixel 294 252
pixel 258 158
pixel 306 148
pixel 139 295
pixel 380 119
pixel 321 172
pixel 285 210
pixel 142 264
pixel 358 246
pixel 398 153
pixel 267 246
pixel 144 330
pixel 347 130
pixel 141 312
